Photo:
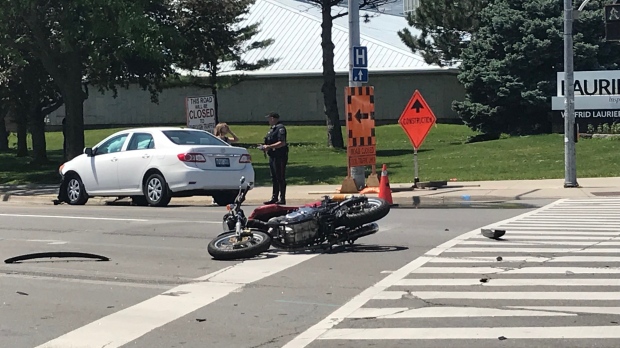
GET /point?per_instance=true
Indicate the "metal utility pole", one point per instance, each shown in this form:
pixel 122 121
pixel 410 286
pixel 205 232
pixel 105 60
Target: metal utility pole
pixel 570 167
pixel 357 173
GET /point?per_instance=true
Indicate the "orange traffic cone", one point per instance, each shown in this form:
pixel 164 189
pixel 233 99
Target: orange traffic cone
pixel 385 192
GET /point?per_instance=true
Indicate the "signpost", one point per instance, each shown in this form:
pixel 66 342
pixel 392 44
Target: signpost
pixel 417 120
pixel 200 112
pixel 360 64
pixel 358 73
pixel 361 145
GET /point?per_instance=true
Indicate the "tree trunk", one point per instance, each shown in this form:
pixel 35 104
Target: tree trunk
pixel 68 79
pixel 74 108
pixel 334 134
pixel 214 92
pixel 4 135
pixel 22 132
pixel 39 145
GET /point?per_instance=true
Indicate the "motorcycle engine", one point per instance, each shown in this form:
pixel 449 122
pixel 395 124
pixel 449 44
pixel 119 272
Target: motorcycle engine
pixel 296 227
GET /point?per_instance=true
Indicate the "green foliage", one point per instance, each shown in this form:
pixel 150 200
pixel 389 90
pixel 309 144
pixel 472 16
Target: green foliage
pixel 509 69
pixel 446 28
pixel 604 128
pixel 216 37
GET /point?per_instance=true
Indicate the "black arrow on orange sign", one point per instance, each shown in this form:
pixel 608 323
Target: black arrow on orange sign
pixel 417 106
pixel 358 116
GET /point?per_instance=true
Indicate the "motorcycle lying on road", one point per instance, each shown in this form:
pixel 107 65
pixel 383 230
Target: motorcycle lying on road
pixel 320 224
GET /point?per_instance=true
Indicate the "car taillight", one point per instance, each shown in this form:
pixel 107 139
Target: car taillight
pixel 245 159
pixel 191 157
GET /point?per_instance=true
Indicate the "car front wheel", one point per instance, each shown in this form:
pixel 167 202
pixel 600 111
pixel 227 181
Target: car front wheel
pixel 156 191
pixel 76 193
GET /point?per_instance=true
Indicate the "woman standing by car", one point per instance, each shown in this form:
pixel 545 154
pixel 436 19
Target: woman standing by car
pixel 222 130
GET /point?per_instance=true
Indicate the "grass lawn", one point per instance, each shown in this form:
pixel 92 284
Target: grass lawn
pixel 442 156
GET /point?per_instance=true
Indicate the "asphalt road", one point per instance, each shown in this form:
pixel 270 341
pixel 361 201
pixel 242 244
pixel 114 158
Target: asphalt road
pixel 161 289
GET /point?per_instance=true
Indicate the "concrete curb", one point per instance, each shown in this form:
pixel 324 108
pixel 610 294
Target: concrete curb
pixel 399 202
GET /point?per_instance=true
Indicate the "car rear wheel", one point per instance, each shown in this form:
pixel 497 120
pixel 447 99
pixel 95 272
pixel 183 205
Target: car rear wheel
pixel 156 191
pixel 76 193
pixel 225 197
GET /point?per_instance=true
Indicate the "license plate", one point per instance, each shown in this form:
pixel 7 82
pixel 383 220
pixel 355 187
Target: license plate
pixel 222 162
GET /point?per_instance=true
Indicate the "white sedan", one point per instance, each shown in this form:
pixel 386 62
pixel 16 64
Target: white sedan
pixel 152 165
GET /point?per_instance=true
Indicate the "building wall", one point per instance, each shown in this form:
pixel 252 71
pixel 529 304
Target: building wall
pixel 297 99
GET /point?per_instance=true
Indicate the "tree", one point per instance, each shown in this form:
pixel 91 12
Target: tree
pixel 446 29
pixel 101 43
pixel 216 39
pixel 509 69
pixel 37 97
pixel 28 91
pixel 334 133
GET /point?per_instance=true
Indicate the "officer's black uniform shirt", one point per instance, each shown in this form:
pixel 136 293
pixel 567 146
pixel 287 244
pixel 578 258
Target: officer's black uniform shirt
pixel 276 133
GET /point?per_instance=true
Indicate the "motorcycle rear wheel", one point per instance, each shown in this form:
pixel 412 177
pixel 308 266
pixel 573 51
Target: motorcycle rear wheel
pixel 226 247
pixel 372 210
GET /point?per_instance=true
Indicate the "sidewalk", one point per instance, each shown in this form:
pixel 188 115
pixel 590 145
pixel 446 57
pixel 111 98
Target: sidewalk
pixel 470 192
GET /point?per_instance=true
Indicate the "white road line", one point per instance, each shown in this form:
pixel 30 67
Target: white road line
pixel 491 333
pixel 567 224
pixel 525 270
pixel 539 242
pixel 131 323
pixel 537 227
pixel 509 282
pixel 520 238
pixel 486 259
pixel 500 295
pixel 86 281
pixel 561 233
pixel 533 250
pixel 576 309
pixel 358 301
pixel 451 312
pixel 71 217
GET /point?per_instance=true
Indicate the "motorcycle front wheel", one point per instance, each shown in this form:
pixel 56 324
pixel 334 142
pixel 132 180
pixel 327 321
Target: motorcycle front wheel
pixel 366 212
pixel 227 246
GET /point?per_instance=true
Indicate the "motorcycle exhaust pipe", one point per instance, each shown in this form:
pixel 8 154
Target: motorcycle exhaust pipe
pixel 365 230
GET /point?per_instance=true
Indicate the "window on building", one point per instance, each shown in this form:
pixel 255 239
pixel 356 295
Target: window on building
pixel 410 5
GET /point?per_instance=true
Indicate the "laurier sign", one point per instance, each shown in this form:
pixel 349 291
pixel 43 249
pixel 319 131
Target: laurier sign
pixel 597 94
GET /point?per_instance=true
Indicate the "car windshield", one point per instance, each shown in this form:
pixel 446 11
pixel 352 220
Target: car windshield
pixel 192 137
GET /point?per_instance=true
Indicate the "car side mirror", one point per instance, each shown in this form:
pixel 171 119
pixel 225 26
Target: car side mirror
pixel 89 151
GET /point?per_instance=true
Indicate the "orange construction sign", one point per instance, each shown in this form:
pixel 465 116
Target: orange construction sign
pixel 360 110
pixel 417 119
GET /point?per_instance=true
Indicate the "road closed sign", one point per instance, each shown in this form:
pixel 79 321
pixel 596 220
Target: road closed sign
pixel 417 119
pixel 200 112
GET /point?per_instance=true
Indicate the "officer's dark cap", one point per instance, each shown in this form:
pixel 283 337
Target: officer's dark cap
pixel 273 114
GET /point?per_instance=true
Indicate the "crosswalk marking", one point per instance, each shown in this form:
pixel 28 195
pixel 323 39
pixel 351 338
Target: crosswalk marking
pixel 560 262
pixel 503 295
pixel 449 312
pixel 509 282
pixel 492 333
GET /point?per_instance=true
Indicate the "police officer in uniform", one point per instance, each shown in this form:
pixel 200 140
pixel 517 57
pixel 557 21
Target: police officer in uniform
pixel 276 148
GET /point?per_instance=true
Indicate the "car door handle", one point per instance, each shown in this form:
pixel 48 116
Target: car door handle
pixel 146 156
pixel 114 159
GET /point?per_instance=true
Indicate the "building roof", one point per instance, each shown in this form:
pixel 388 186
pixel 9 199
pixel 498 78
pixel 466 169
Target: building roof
pixel 295 27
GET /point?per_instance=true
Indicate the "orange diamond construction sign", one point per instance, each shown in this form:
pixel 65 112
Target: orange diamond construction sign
pixel 417 119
